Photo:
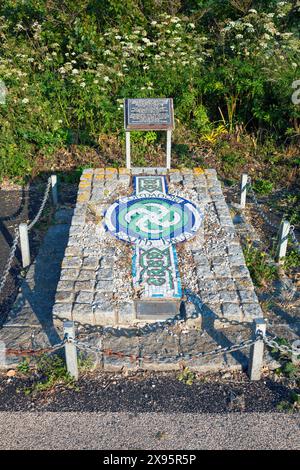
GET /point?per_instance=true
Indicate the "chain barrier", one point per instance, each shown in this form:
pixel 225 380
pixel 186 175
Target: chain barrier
pixel 34 352
pixel 127 332
pixel 183 356
pixel 152 327
pixel 274 344
pixel 10 259
pixel 38 215
pixel 17 237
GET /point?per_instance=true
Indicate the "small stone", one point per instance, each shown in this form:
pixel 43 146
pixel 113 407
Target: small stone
pixel 65 285
pixel 231 311
pixel 63 310
pixel 105 274
pixel 105 285
pixel 64 296
pixel 69 274
pixel 84 297
pixel 126 312
pixel 90 263
pixel 10 373
pixel 83 313
pixel 71 262
pixel 84 285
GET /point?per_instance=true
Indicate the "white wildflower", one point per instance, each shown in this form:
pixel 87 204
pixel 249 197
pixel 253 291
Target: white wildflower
pixel 82 84
pixel 75 71
pixel 106 79
pixel 191 25
pixel 25 100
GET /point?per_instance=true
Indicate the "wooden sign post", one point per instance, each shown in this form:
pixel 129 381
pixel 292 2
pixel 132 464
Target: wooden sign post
pixel 148 114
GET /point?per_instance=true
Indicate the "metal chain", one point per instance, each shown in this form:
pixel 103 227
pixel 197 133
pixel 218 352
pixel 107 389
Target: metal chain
pixel 34 352
pixel 127 332
pixel 216 351
pixel 17 237
pixel 195 299
pixel 38 215
pixel 152 327
pixel 263 215
pixel 10 259
pixel 294 239
pixel 274 344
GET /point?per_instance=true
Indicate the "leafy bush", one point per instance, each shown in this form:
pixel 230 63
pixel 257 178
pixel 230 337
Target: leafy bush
pixel 69 65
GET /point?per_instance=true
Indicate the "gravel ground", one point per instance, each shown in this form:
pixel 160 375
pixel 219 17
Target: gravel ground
pixel 148 392
pixel 154 431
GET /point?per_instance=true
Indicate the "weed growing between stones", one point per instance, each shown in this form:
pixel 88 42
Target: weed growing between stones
pixel 261 270
pixel 289 371
pixel 186 376
pixel 48 372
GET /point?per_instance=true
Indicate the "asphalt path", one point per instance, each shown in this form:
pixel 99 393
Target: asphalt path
pixel 149 431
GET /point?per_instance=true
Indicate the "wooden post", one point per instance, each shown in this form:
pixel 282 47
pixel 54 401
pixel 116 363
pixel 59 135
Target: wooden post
pixel 70 349
pixel 257 350
pixel 169 141
pixel 24 242
pixel 244 181
pixel 283 239
pixel 54 189
pixel 128 155
pixel 2 355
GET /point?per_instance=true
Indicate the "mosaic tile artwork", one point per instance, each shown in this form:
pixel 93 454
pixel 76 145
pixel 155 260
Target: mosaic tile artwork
pixel 154 221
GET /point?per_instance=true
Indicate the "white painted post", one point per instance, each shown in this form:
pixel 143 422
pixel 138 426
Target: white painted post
pixel 169 140
pixel 2 354
pixel 24 242
pixel 283 239
pixel 70 349
pixel 128 155
pixel 296 352
pixel 54 189
pixel 244 181
pixel 257 350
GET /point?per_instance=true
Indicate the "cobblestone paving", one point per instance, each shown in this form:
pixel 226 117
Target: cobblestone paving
pixel 80 264
pixel 95 284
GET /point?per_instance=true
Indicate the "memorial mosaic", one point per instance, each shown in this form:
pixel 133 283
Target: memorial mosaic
pixel 154 221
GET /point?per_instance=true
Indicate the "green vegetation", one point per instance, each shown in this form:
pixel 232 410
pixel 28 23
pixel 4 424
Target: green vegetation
pixel 187 376
pixel 262 271
pixel 228 64
pixel 49 372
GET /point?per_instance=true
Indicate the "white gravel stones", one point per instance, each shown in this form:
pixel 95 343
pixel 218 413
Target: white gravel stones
pixel 96 283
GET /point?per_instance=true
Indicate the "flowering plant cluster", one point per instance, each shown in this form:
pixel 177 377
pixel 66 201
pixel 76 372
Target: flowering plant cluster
pixel 67 67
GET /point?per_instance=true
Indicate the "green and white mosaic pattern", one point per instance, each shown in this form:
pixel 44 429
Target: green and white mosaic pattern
pixel 154 221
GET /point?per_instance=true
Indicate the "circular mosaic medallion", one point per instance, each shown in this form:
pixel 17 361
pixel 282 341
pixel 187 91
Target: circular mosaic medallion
pixel 161 219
